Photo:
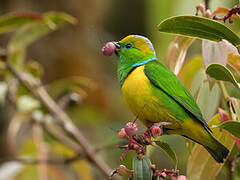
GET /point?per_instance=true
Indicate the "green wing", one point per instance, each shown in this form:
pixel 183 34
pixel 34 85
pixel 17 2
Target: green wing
pixel 167 81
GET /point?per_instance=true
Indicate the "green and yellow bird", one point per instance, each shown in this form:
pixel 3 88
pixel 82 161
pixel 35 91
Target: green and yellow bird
pixel 154 94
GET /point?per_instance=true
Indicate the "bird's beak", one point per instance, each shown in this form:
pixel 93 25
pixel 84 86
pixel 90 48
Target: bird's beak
pixel 118 48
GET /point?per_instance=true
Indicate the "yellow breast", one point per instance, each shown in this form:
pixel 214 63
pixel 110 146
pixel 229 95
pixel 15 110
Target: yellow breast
pixel 138 94
pixel 136 90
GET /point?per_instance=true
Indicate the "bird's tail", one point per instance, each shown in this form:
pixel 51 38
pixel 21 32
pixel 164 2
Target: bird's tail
pixel 220 153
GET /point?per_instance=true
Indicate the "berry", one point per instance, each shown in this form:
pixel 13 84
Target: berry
pixel 131 129
pixel 108 49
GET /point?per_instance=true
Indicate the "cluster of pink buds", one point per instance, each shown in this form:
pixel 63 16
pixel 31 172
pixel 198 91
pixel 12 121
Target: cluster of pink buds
pixel 161 174
pixel 138 142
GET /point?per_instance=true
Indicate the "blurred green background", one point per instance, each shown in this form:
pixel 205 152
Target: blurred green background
pixel 76 50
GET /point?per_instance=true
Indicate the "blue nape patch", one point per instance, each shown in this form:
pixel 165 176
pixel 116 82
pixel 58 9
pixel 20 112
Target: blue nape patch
pixel 144 62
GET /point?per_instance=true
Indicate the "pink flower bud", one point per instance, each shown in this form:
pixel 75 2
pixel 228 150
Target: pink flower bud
pixel 156 131
pixel 131 129
pixel 122 134
pixel 108 49
pixel 224 116
pixel 181 177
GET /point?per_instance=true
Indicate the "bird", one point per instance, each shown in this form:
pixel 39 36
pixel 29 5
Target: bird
pixel 155 94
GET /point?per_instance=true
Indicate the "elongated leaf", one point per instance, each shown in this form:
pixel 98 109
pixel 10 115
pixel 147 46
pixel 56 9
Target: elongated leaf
pixel 31 32
pixel 10 22
pixel 219 72
pixel 200 164
pixel 17 57
pixel 170 152
pixel 199 27
pixel 208 100
pixel 189 71
pixel 231 126
pixel 142 169
pixel 177 52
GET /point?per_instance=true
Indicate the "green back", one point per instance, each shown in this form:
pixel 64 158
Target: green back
pixel 164 79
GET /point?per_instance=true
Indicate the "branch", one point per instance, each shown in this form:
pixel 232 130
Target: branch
pixel 35 86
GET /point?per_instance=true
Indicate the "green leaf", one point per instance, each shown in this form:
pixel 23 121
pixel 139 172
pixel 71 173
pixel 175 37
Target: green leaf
pixel 219 72
pixel 31 32
pixel 199 27
pixel 142 169
pixel 17 57
pixel 170 152
pixel 231 126
pixel 10 22
pixel 200 164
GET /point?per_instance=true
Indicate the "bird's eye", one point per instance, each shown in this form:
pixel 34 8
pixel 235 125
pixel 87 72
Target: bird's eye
pixel 128 46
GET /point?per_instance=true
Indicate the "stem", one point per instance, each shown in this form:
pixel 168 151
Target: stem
pixel 35 86
pixel 224 91
pixel 42 151
pixel 207 4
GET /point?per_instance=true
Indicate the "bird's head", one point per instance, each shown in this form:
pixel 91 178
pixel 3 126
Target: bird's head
pixel 133 50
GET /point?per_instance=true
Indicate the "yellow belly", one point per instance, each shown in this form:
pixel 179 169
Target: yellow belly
pixel 138 94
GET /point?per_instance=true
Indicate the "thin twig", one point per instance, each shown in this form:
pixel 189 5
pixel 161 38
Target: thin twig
pixel 224 91
pixel 60 135
pixel 35 86
pixel 207 4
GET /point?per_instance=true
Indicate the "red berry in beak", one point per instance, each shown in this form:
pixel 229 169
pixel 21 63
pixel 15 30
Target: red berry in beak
pixel 108 49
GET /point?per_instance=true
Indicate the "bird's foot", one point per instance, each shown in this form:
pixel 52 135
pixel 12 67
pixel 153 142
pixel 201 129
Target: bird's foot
pixel 155 130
